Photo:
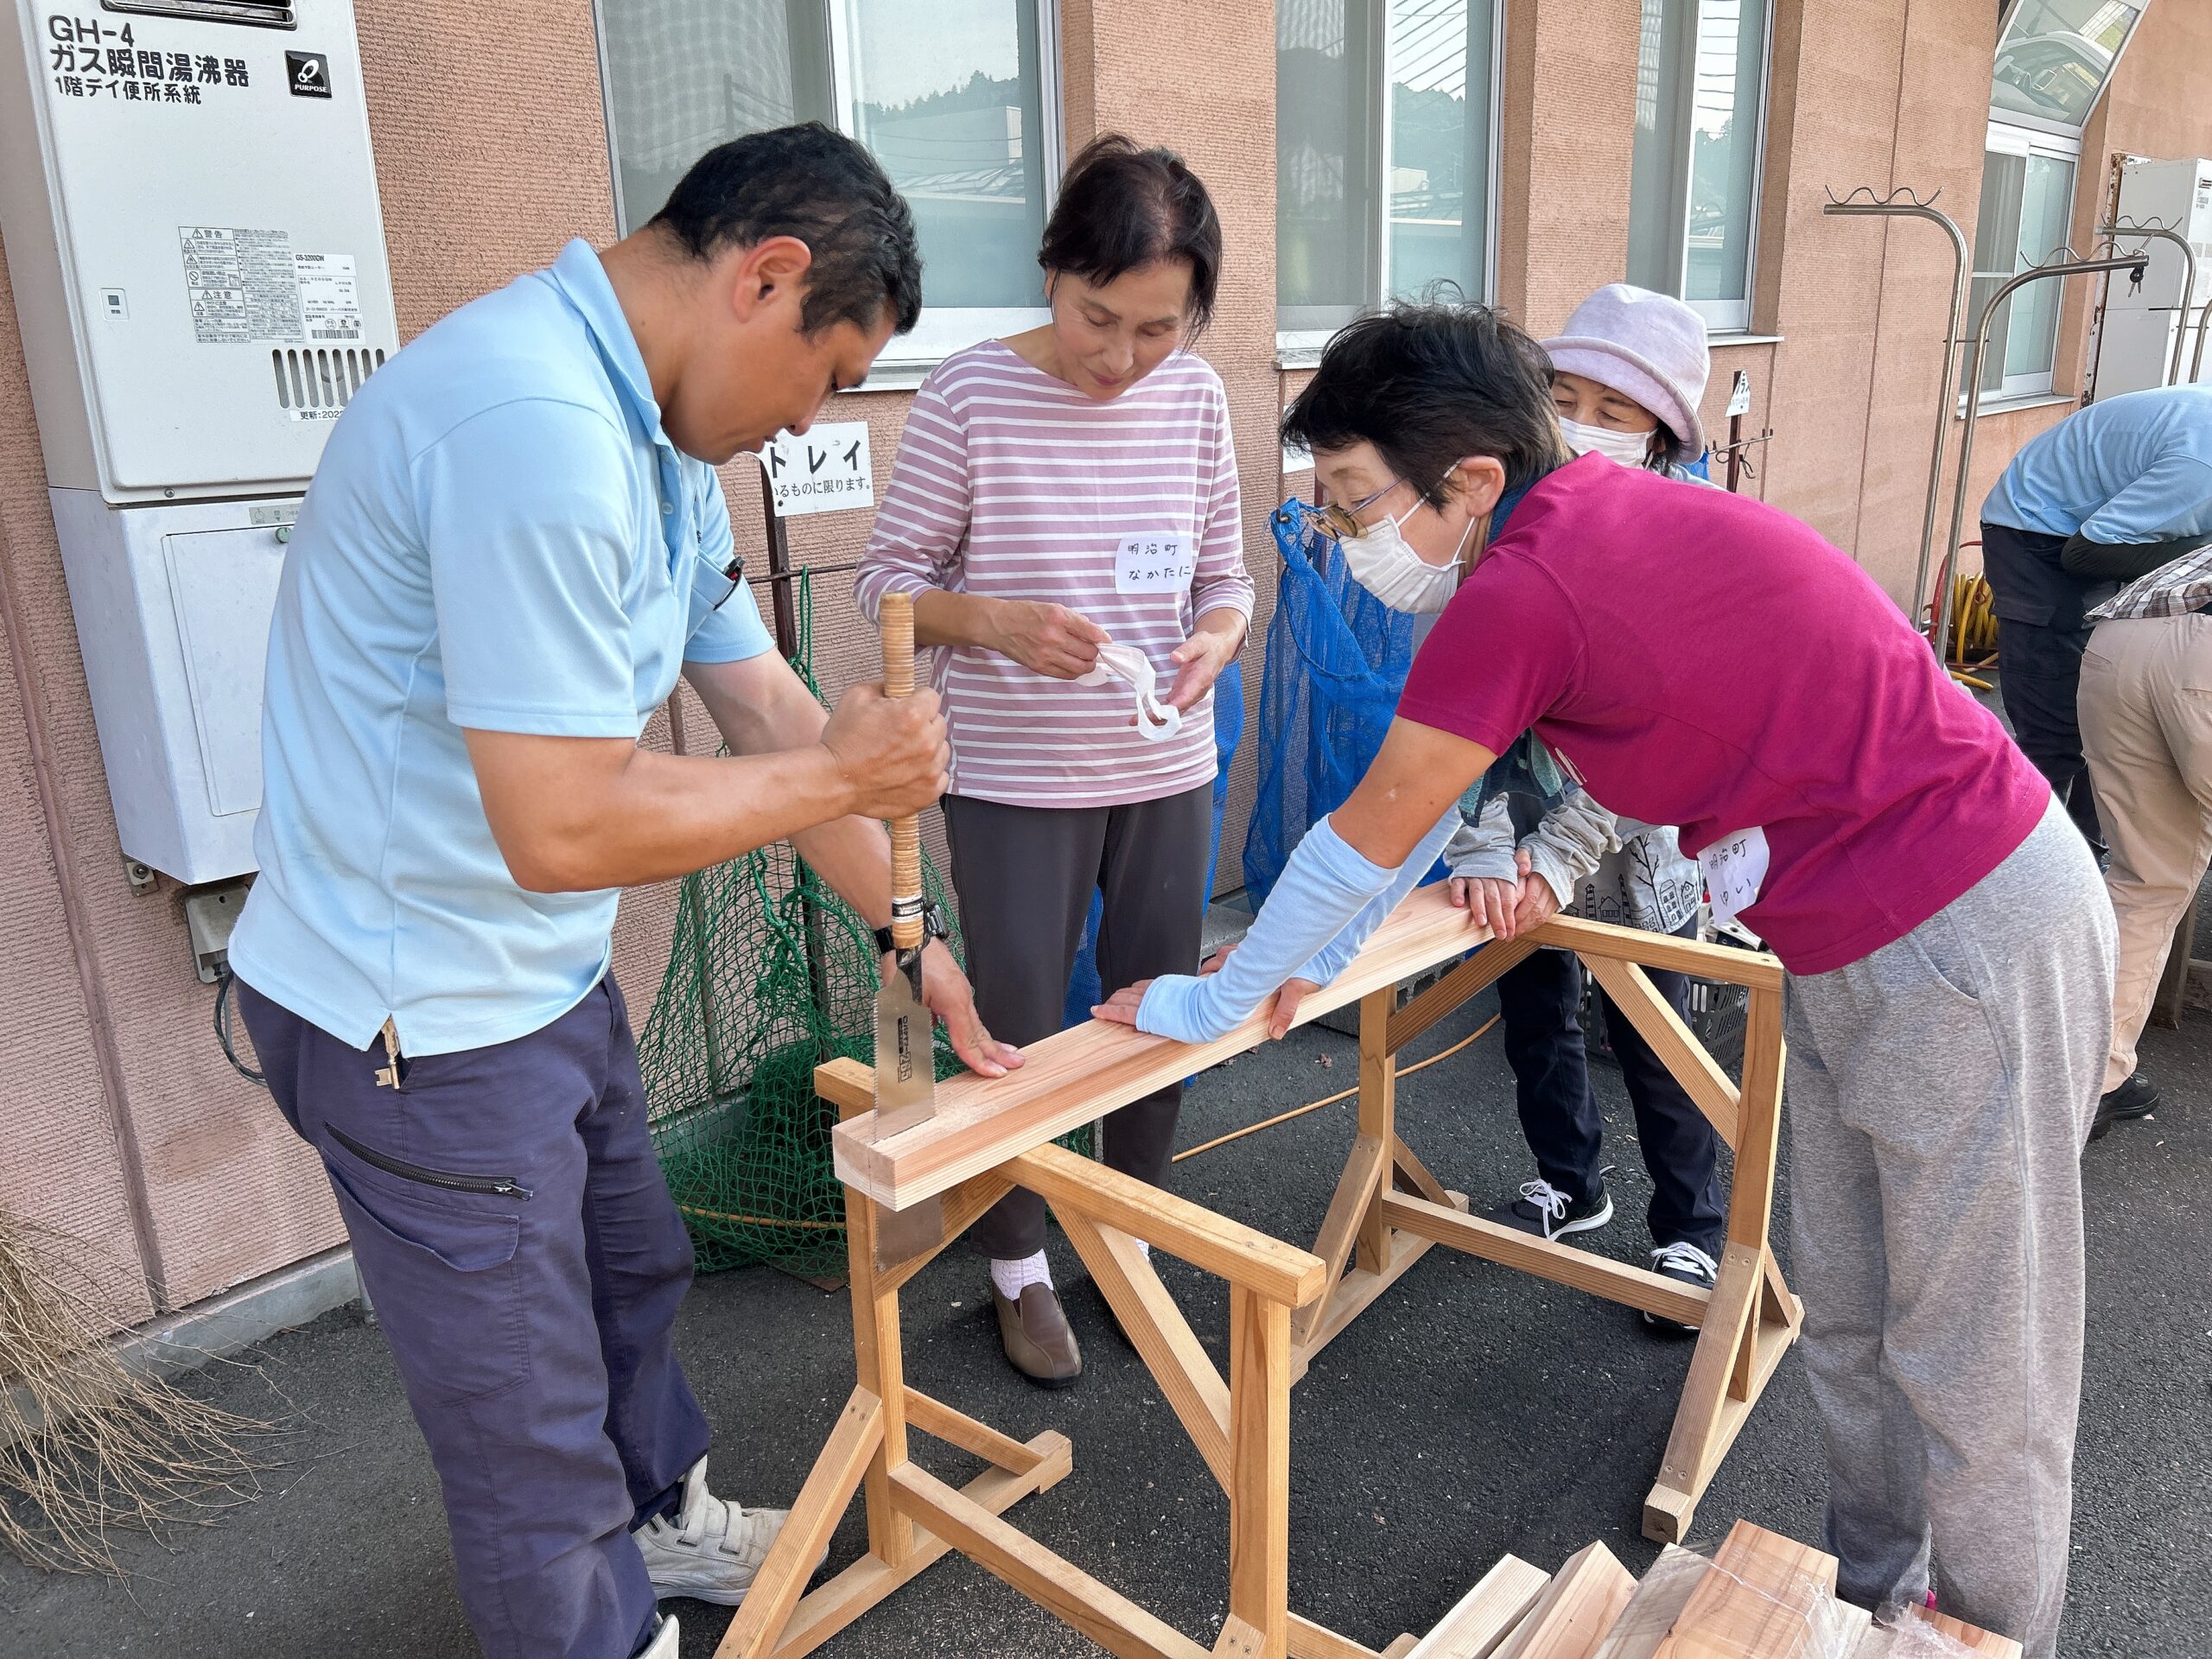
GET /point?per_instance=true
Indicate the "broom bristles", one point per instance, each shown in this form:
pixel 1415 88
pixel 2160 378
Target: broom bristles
pixel 89 1446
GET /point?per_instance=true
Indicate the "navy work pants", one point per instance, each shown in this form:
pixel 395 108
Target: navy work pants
pixel 1540 1001
pixel 525 1262
pixel 2041 631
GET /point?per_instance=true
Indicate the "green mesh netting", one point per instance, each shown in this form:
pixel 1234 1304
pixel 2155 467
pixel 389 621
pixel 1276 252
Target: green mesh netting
pixel 769 975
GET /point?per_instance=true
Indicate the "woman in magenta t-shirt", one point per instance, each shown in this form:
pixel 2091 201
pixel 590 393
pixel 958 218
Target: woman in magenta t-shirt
pixel 1703 660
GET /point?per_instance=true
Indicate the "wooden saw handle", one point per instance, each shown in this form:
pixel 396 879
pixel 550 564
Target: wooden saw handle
pixel 906 932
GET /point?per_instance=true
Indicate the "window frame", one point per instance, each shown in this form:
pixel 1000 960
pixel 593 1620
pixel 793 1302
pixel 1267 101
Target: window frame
pixel 942 329
pixel 2007 137
pixel 1302 346
pixel 2050 126
pixel 1729 317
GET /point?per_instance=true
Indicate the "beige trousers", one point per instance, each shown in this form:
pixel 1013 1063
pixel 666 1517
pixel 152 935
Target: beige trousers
pixel 2146 729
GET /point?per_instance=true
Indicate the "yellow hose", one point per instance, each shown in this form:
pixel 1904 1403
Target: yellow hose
pixel 1974 622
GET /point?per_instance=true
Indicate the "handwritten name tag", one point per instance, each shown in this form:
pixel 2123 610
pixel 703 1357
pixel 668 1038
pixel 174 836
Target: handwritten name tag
pixel 1735 869
pixel 1158 562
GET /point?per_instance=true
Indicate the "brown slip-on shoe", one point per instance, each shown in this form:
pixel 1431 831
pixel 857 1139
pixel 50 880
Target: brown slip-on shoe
pixel 1039 1343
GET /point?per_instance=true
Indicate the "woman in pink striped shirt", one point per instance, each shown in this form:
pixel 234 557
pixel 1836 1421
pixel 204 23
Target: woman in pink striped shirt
pixel 1063 510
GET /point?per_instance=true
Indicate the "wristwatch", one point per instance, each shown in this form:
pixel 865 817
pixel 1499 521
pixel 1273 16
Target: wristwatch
pixel 933 927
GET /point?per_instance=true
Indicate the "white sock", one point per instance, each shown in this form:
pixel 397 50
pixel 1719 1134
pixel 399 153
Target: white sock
pixel 1012 1278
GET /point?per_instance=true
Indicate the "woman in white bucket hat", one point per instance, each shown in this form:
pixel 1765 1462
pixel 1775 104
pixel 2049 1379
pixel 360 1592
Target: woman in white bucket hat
pixel 1627 377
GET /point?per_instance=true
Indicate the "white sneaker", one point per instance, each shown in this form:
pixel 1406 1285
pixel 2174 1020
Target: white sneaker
pixel 709 1549
pixel 663 1646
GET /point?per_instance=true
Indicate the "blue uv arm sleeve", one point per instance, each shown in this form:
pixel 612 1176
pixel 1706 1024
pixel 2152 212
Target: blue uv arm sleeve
pixel 1327 893
pixel 1332 958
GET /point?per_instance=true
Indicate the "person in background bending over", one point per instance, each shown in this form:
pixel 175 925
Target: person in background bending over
pixel 1627 376
pixel 2126 472
pixel 2146 721
pixel 1063 510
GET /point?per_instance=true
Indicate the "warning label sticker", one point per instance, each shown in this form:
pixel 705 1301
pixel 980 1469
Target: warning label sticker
pixel 330 304
pixel 244 285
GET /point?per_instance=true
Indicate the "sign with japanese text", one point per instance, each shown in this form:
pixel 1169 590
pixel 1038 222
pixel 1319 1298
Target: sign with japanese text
pixel 92 57
pixel 825 471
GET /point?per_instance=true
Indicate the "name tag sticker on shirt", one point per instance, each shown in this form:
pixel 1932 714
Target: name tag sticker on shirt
pixel 1735 869
pixel 1158 562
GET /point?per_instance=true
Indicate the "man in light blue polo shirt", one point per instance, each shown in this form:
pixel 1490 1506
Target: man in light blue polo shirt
pixel 514 543
pixel 2110 492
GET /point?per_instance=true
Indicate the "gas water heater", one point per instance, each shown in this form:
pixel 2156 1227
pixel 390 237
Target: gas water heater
pixel 188 201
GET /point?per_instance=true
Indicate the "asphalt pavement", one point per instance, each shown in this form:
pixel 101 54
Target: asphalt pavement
pixel 1470 1412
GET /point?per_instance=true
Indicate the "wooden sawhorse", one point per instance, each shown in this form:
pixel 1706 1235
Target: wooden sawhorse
pixel 1239 1427
pixel 986 1137
pixel 1389 1210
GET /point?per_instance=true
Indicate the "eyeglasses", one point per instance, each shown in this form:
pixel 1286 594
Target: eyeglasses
pixel 733 573
pixel 1341 524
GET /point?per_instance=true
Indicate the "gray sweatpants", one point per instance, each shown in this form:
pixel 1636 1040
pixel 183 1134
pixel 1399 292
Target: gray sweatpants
pixel 1940 1093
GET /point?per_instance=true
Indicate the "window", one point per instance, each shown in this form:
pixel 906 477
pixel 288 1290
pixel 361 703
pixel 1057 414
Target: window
pixel 2054 58
pixel 956 99
pixel 2027 203
pixel 1694 177
pixel 1384 112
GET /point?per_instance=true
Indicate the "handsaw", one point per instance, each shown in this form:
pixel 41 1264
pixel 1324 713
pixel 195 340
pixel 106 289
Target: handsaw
pixel 905 1055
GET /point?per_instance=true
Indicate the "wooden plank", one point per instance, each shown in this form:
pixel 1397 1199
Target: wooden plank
pixel 1378 1110
pixel 1259 1481
pixel 1161 1336
pixel 800 1541
pixel 1676 1045
pixel 881 1369
pixel 1687 1464
pixel 1668 1510
pixel 1069 1078
pixel 1312 1641
pixel 1355 1189
pixel 1460 987
pixel 1970 1636
pixel 1575 1610
pixel 1487 1614
pixel 1054 1583
pixel 1852 1621
pixel 1754 970
pixel 1238 1640
pixel 1229 1249
pixel 933 1416
pixel 962 1207
pixel 1616 1282
pixel 868 1581
pixel 1658 1602
pixel 1414 1173
pixel 1356 1292
pixel 1750 1196
pixel 1760 1596
pixel 1750 1199
pixel 1401 1648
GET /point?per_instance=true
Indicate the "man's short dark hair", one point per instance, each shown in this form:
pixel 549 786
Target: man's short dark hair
pixel 1430 383
pixel 825 189
pixel 1122 207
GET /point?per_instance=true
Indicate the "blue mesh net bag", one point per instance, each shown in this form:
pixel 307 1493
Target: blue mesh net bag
pixel 1335 661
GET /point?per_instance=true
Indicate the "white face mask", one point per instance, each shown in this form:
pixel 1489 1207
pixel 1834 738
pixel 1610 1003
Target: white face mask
pixel 1628 449
pixel 1384 563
